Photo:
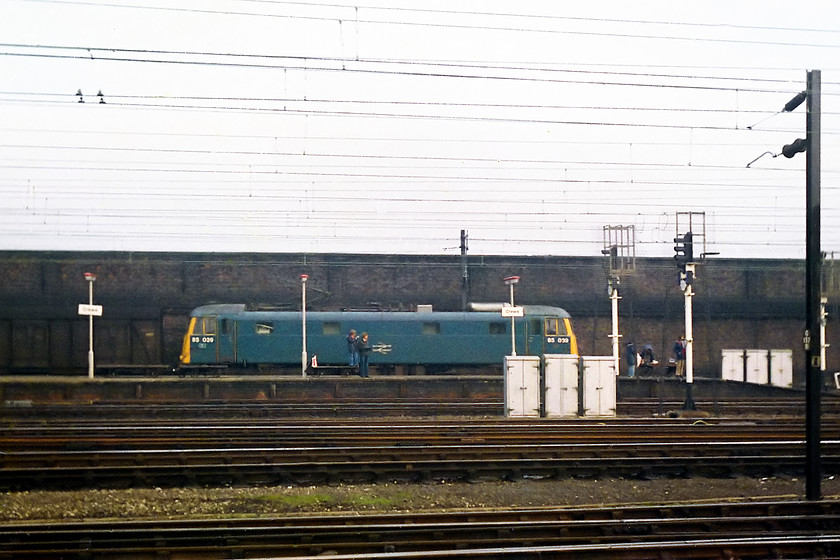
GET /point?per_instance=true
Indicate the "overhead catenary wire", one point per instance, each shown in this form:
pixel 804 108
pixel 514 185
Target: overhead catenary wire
pixel 204 172
pixel 353 11
pixel 349 66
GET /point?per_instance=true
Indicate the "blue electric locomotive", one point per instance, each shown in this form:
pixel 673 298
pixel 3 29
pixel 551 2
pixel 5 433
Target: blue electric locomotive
pixel 418 340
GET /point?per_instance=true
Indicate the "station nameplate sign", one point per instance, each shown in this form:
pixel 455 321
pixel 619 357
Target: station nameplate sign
pixel 515 311
pixel 87 309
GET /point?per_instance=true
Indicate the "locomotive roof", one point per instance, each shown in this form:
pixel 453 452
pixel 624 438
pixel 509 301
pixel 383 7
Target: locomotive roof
pixel 242 309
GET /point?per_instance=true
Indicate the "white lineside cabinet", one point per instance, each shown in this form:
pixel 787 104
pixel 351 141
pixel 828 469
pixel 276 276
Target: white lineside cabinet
pixel 522 386
pixel 761 366
pixel 781 368
pixel 561 385
pixel 756 367
pixel 599 386
pixel 732 365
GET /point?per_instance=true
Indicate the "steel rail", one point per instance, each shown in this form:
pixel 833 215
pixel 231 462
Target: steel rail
pixel 108 436
pixel 544 530
pixel 349 407
pixel 47 421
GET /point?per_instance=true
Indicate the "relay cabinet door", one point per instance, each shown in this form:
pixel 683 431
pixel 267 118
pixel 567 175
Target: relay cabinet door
pixel 756 366
pixel 522 386
pixel 561 385
pixel 599 387
pixel 781 368
pixel 732 365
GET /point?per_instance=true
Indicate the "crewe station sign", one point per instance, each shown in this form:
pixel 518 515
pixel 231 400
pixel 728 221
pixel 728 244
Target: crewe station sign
pixel 86 309
pixel 513 311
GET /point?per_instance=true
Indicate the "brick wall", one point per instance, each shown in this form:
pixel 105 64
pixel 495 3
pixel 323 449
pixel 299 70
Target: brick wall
pixel 739 304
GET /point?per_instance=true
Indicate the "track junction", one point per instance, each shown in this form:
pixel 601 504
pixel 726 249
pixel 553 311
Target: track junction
pixel 365 436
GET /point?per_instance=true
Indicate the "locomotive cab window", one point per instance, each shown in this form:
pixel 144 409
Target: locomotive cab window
pixel 225 327
pixel 205 325
pixel 264 327
pixel 535 326
pixel 553 327
pixel 498 328
pixel 431 328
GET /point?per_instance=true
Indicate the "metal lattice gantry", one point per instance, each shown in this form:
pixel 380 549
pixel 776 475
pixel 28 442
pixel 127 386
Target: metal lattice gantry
pixel 620 247
pixel 694 222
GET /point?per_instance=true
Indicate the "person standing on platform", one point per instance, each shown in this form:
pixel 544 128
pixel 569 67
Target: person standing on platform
pixel 352 348
pixel 631 358
pixel 363 345
pixel 647 361
pixel 679 355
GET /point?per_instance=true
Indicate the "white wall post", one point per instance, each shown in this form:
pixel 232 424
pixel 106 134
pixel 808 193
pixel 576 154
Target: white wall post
pixel 303 356
pixel 512 281
pixel 91 278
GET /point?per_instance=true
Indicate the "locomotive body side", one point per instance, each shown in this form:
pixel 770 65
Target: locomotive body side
pixel 229 334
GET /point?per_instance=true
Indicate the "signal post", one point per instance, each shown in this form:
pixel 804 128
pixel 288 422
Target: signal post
pixel 684 255
pixel 620 248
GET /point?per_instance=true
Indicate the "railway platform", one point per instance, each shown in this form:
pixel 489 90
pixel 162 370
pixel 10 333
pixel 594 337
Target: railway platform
pixel 59 389
pixel 223 388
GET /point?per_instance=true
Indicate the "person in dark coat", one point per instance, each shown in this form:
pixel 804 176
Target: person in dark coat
pixel 363 346
pixel 648 360
pixel 631 358
pixel 679 355
pixel 352 348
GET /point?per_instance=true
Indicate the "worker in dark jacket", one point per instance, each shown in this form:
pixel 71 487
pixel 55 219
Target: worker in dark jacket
pixel 363 346
pixel 679 355
pixel 352 348
pixel 631 358
pixel 648 361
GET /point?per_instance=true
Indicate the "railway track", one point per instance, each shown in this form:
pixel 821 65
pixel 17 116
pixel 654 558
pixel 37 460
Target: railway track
pixel 89 434
pixel 102 455
pixel 329 465
pixel 744 407
pixel 372 408
pixel 746 530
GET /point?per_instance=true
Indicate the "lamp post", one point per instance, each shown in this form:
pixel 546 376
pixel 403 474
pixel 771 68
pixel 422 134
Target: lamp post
pixel 612 288
pixel 303 357
pixel 813 265
pixel 688 351
pixel 512 281
pixel 91 278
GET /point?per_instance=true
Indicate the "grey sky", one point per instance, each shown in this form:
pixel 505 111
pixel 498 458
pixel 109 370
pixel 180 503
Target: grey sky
pixel 333 127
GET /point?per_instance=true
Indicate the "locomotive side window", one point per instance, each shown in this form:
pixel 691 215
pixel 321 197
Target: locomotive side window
pixel 331 327
pixel 535 326
pixel 264 327
pixel 225 327
pixel 431 328
pixel 498 328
